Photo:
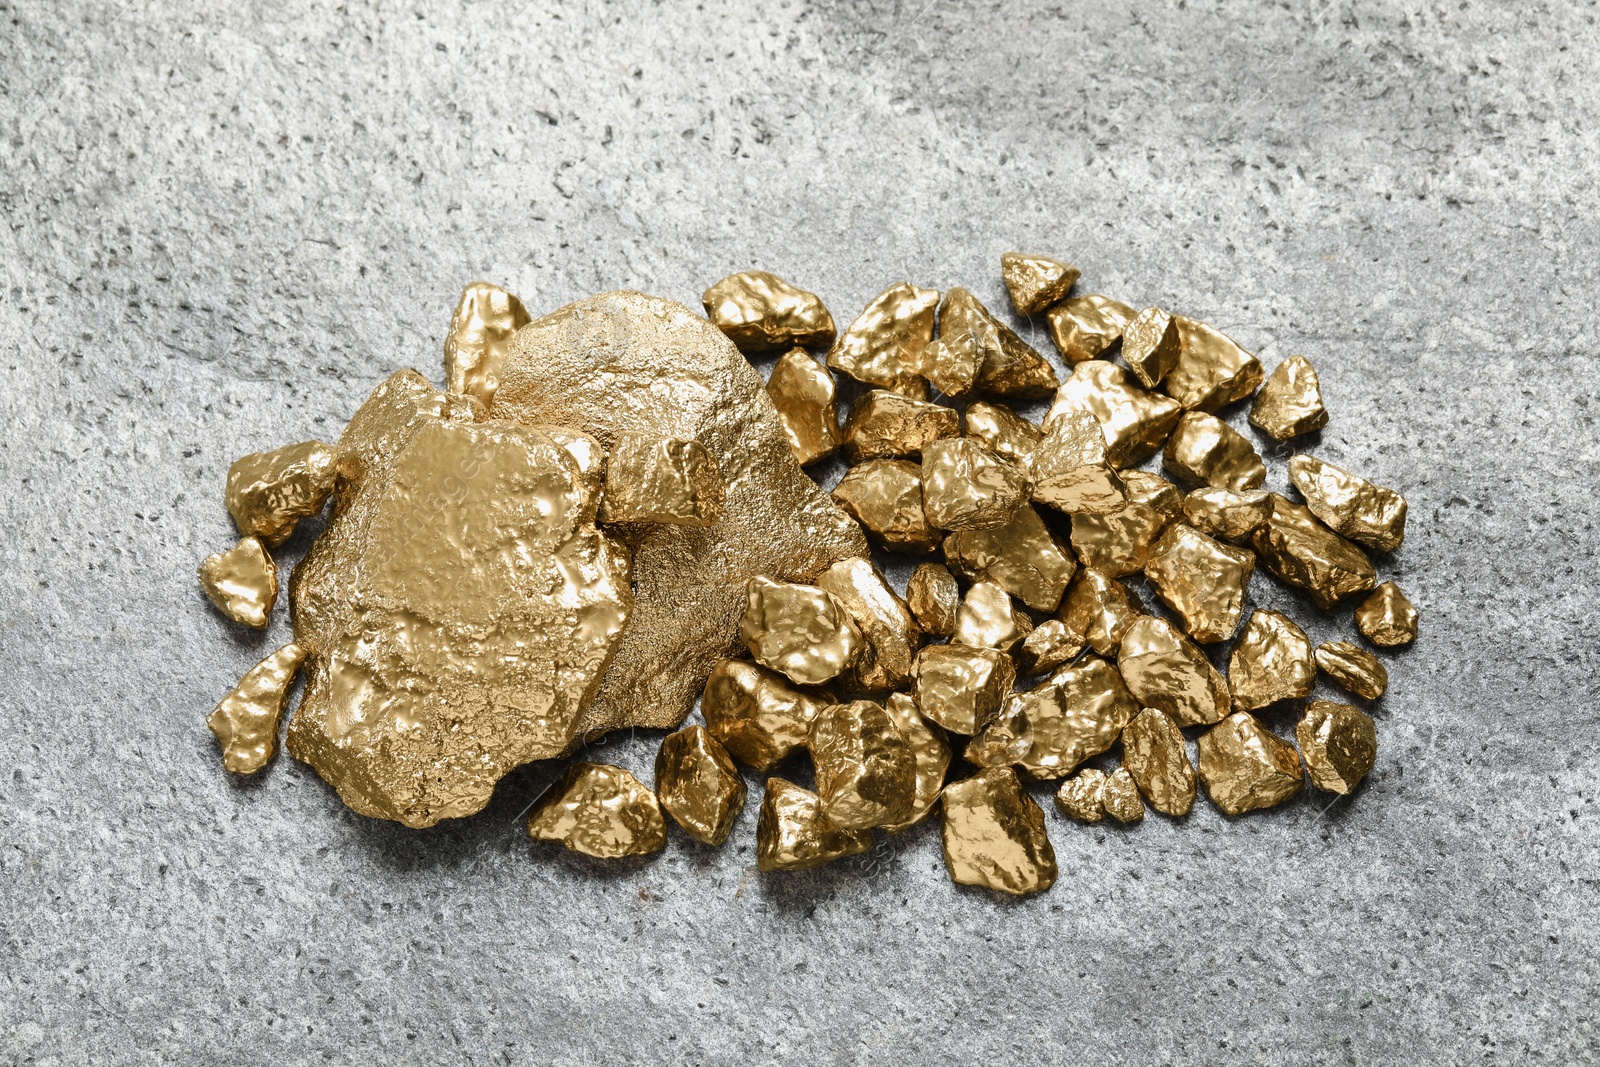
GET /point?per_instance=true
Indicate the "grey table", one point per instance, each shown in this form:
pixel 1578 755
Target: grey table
pixel 224 223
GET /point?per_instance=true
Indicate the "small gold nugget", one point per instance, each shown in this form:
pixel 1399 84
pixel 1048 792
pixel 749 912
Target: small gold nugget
pixel 1119 543
pixel 931 752
pixel 1298 550
pixel 889 634
pixel 986 619
pixel 884 424
pixel 1035 283
pixel 1272 661
pixel 1120 797
pixel 967 487
pixel 961 687
pixel 1204 450
pixel 485 320
pixel 246 721
pixel 1081 798
pixel 1339 743
pixel 803 392
pixel 1070 468
pixel 1135 423
pixel 1386 618
pixel 1156 756
pixel 1021 557
pixel 1352 507
pixel 793 835
pixel 601 811
pixel 270 492
pixel 934 597
pixel 1006 365
pixel 242 582
pixel 1083 327
pixel 1202 580
pixel 661 479
pixel 699 785
pixel 760 312
pixel 1100 608
pixel 866 771
pixel 994 835
pixel 885 497
pixel 756 714
pixel 1227 515
pixel 1163 670
pixel 1002 431
pixel 1213 371
pixel 887 344
pixel 1246 767
pixel 1353 668
pixel 1050 645
pixel 1079 712
pixel 1290 403
pixel 799 630
pixel 1151 345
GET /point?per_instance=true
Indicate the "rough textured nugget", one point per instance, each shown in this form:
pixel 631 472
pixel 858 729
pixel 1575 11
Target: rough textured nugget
pixel 1204 581
pixel 800 630
pixel 1227 515
pixel 1002 430
pixel 934 598
pixel 1246 767
pixel 698 784
pixel 1022 557
pixel 1120 797
pixel 1290 403
pixel 485 320
pixel 866 770
pixel 760 312
pixel 1156 756
pixel 806 399
pixel 1070 469
pixel 1204 450
pixel 885 497
pixel 1354 668
pixel 1299 550
pixel 1352 507
pixel 883 424
pixel 1119 542
pixel 246 721
pixel 270 492
pixel 967 487
pixel 986 619
pixel 793 835
pixel 1081 797
pixel 242 582
pixel 1035 283
pixel 887 344
pixel 1083 327
pixel 889 634
pixel 756 714
pixel 1387 618
pixel 601 811
pixel 1212 370
pixel 994 835
pixel 1006 364
pixel 1339 744
pixel 1151 345
pixel 1271 661
pixel 1163 670
pixel 931 752
pixel 1100 608
pixel 1135 423
pixel 961 687
pixel 661 479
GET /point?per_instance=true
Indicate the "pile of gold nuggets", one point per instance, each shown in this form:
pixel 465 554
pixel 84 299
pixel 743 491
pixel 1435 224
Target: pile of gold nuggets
pixel 604 516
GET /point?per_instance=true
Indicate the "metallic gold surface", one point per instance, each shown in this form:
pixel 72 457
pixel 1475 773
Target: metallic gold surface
pixel 1204 450
pixel 967 487
pixel 885 497
pixel 986 619
pixel 1120 797
pixel 931 752
pixel 1021 557
pixel 866 771
pixel 242 582
pixel 661 479
pixel 1352 507
pixel 961 687
pixel 1083 327
pixel 270 492
pixel 1353 668
pixel 485 319
pixel 803 392
pixel 459 608
pixel 629 363
pixel 1386 618
pixel 884 424
pixel 1006 365
pixel 1227 515
pixel 1290 403
pixel 890 636
pixel 994 835
pixel 1135 423
pixel 246 721
pixel 934 597
pixel 1271 661
pixel 1246 767
pixel 799 630
pixel 1081 797
pixel 601 811
pixel 1002 431
pixel 1297 549
pixel 952 363
pixel 756 714
pixel 1339 743
pixel 1119 543
pixel 1050 645
pixel 1035 283
pixel 793 835
pixel 1155 754
pixel 1151 345
pixel 1080 712
pixel 1201 579
pixel 1163 670
pixel 698 784
pixel 760 312
pixel 1100 608
pixel 1212 371
pixel 590 460
pixel 1070 470
pixel 887 344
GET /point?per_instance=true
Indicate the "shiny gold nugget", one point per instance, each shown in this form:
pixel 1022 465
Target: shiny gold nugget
pixel 793 835
pixel 1002 431
pixel 1213 371
pixel 931 752
pixel 1022 557
pixel 1155 754
pixel 1119 543
pixel 1272 661
pixel 986 619
pixel 887 344
pixel 1006 364
pixel 889 634
pixel 485 320
pixel 246 721
pixel 1135 423
pixel 1227 515
pixel 961 687
pixel 662 479
pixel 601 811
pixel 1202 580
pixel 1290 403
pixel 866 771
pixel 270 492
pixel 1163 670
pixel 967 487
pixel 760 312
pixel 1083 327
pixel 1120 797
pixel 1352 507
pixel 1386 618
pixel 1339 744
pixel 1245 767
pixel 994 835
pixel 885 497
pixel 1100 608
pixel 699 785
pixel 799 630
pixel 803 392
pixel 1081 798
pixel 934 598
pixel 1151 345
pixel 242 582
pixel 1036 283
pixel 1353 668
pixel 1204 450
pixel 1050 645
pixel 1079 712
pixel 1299 550
pixel 1070 469
pixel 884 424
pixel 756 714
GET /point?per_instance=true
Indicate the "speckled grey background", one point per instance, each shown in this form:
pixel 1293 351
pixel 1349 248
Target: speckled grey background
pixel 224 223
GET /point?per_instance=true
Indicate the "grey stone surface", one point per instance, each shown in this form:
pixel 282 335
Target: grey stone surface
pixel 224 223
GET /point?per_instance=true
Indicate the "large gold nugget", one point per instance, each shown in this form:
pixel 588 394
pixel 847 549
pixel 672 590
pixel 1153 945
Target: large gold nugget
pixel 891 636
pixel 459 608
pixel 1083 327
pixel 1354 668
pixel 1154 753
pixel 1006 364
pixel 803 392
pixel 756 714
pixel 1080 712
pixel 1290 403
pixel 967 487
pixel 1101 609
pixel 887 344
pixel 1021 557
pixel 1298 550
pixel 793 835
pixel 884 424
pixel 885 497
pixel 485 320
pixel 246 721
pixel 799 630
pixel 1002 430
pixel 934 598
pixel 270 492
pixel 1164 670
pixel 866 771
pixel 1120 797
pixel 760 312
pixel 1227 515
pixel 1119 543
pixel 1246 767
pixel 931 752
pixel 1352 507
pixel 994 835
pixel 1151 345
pixel 1386 618
pixel 1202 580
pixel 961 687
pixel 629 363
pixel 242 582
pixel 986 619
pixel 1049 645
pixel 1272 661
pixel 1339 743
pixel 1036 283
pixel 1212 371
pixel 1135 423
pixel 601 811
pixel 1081 797
pixel 698 784
pixel 1070 468
pixel 661 479
pixel 1204 450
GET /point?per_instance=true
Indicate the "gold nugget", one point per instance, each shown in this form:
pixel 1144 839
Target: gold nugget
pixel 1156 756
pixel 934 597
pixel 1163 670
pixel 1290 403
pixel 1151 345
pixel 1081 797
pixel 1202 580
pixel 661 479
pixel 884 424
pixel 1083 327
pixel 1100 608
pixel 1339 743
pixel 866 771
pixel 1120 797
pixel 803 392
pixel 1021 557
pixel 890 636
pixel 246 721
pixel 698 784
pixel 931 752
pixel 270 492
pixel 601 811
pixel 1386 618
pixel 760 312
pixel 1204 450
pixel 1227 515
pixel 590 460
pixel 1080 712
pixel 967 487
pixel 1245 767
pixel 885 497
pixel 485 320
pixel 1300 551
pixel 793 835
pixel 1352 507
pixel 1212 371
pixel 961 687
pixel 1036 283
pixel 994 835
pixel 1119 543
pixel 1050 645
pixel 799 630
pixel 1272 661
pixel 1070 470
pixel 1002 430
pixel 887 344
pixel 1135 423
pixel 986 619
pixel 1353 668
pixel 1006 365
pixel 242 582
pixel 756 714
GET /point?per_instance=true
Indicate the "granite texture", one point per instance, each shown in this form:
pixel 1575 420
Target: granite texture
pixel 225 223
